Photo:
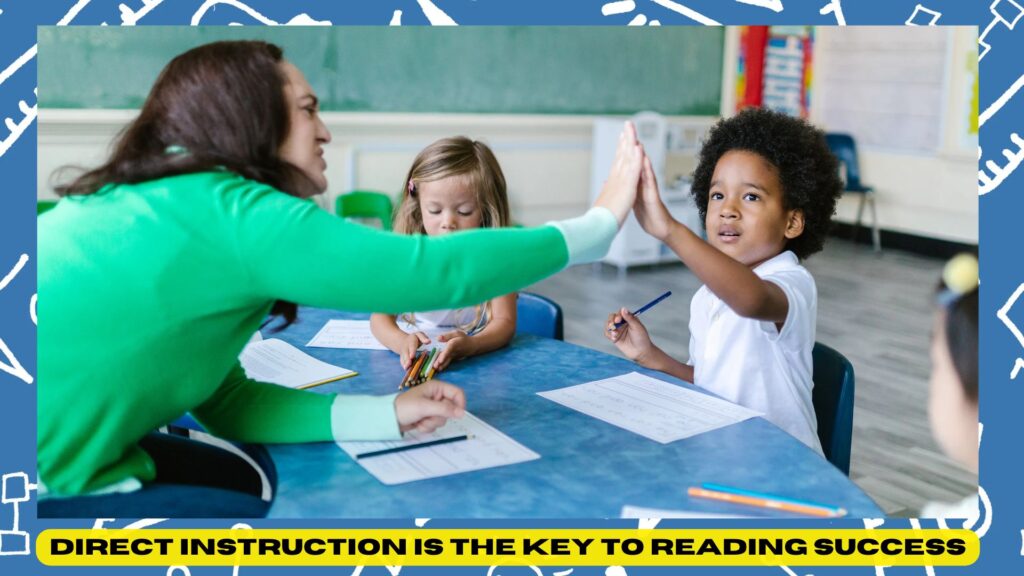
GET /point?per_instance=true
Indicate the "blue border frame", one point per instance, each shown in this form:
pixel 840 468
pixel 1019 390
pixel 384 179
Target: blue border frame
pixel 1001 209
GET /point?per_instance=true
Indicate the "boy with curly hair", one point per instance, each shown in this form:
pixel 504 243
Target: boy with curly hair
pixel 766 186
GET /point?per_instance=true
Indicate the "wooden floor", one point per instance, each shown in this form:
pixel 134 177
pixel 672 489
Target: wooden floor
pixel 875 309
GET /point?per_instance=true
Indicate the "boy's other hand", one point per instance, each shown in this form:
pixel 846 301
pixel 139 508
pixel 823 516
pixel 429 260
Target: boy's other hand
pixel 632 338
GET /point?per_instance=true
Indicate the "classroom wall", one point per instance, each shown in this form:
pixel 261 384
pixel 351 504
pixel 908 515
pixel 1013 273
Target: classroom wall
pixel 546 158
pixel 387 93
pixel 933 194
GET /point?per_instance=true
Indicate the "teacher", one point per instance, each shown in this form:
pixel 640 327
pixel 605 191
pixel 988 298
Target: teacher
pixel 156 267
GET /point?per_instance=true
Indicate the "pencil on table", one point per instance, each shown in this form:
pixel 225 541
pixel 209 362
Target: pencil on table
pixel 768 502
pixel 416 446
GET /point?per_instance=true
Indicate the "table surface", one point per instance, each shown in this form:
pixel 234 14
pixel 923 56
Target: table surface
pixel 588 468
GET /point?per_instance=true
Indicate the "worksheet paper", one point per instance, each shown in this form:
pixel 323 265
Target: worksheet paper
pixel 650 407
pixel 278 362
pixel 639 512
pixel 346 334
pixel 488 448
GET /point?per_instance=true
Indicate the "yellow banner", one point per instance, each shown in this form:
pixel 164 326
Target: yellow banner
pixel 461 547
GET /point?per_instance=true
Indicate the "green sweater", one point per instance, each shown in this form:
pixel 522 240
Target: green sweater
pixel 148 293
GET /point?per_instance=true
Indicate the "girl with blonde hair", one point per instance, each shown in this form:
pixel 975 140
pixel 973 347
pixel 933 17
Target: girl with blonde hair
pixel 454 184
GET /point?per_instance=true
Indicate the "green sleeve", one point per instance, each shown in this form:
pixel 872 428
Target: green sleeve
pixel 295 251
pixel 248 411
pixel 245 410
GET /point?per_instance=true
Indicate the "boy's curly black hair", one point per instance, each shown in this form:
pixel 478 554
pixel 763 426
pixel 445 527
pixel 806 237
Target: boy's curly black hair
pixel 808 171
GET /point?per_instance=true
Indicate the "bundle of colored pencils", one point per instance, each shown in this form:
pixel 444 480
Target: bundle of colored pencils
pixel 421 369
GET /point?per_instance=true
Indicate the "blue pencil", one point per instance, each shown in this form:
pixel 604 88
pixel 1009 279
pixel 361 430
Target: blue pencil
pixel 643 309
pixel 741 492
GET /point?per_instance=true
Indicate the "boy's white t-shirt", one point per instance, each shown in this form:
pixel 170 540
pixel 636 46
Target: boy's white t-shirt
pixel 754 364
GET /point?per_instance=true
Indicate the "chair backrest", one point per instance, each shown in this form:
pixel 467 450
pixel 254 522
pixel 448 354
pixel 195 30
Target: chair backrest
pixel 365 204
pixel 843 146
pixel 539 316
pixel 44 205
pixel 833 404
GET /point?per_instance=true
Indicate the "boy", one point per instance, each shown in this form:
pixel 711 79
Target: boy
pixel 766 186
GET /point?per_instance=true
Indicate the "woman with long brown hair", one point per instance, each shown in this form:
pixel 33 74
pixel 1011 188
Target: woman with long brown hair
pixel 156 267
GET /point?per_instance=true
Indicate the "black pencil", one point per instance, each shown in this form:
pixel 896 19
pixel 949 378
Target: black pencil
pixel 405 447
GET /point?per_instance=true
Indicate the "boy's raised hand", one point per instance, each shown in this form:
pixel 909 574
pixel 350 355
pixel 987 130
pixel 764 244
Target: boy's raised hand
pixel 650 211
pixel 410 345
pixel 619 190
pixel 428 406
pixel 632 338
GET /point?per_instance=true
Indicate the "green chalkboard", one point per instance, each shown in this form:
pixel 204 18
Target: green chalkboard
pixel 547 70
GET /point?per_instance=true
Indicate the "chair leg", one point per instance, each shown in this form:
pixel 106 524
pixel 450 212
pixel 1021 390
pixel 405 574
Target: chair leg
pixel 860 214
pixel 876 237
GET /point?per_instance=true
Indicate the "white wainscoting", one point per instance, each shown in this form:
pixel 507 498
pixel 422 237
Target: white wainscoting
pixel 546 159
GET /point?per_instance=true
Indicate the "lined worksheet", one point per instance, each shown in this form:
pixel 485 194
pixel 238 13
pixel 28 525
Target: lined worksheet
pixel 278 362
pixel 353 334
pixel 650 407
pixel 487 448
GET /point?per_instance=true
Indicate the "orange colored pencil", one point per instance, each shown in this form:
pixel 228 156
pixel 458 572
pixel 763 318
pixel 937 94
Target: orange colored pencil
pixel 421 375
pixel 766 503
pixel 414 368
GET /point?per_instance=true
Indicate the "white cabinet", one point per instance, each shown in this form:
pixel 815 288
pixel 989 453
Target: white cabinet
pixel 672 146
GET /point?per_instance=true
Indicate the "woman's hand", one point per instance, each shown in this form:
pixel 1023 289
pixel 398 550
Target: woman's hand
pixel 620 189
pixel 427 407
pixel 410 344
pixel 650 211
pixel 631 338
pixel 459 346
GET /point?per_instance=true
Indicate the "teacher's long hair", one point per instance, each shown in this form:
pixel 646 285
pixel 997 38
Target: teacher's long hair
pixel 219 106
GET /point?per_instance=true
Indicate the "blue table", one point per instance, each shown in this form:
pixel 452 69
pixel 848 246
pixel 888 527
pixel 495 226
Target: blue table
pixel 588 468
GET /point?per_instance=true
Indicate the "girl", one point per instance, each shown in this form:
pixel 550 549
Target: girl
pixel 953 394
pixel 454 184
pixel 157 266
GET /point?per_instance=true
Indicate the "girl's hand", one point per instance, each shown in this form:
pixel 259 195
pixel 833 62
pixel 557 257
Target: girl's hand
pixel 632 338
pixel 619 191
pixel 650 211
pixel 458 346
pixel 410 345
pixel 427 407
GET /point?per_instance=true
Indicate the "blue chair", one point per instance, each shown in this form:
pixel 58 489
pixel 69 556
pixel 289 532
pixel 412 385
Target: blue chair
pixel 187 421
pixel 833 404
pixel 539 316
pixel 843 146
